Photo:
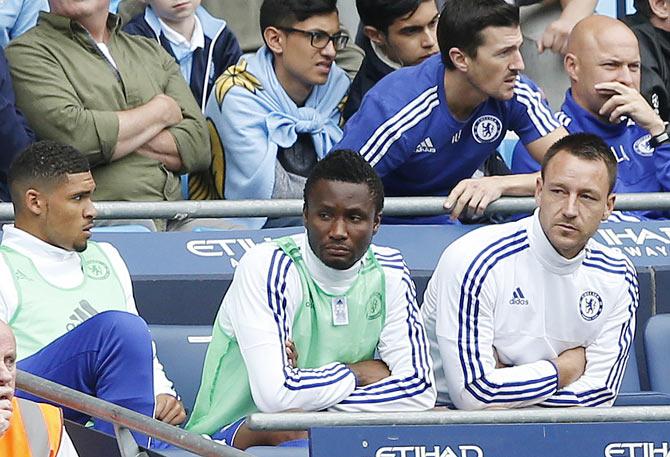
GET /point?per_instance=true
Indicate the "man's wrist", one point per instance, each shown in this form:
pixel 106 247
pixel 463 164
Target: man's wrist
pixel 658 139
pixel 658 128
pixel 554 362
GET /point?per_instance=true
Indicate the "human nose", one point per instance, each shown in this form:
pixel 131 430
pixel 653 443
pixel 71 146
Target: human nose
pixel 624 76
pixel 338 229
pixel 429 39
pixel 89 210
pixel 5 374
pixel 517 62
pixel 570 206
pixel 329 50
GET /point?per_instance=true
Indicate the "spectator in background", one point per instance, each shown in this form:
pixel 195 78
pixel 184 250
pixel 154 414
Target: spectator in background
pixel 202 45
pixel 427 128
pixel 17 16
pixel 25 426
pixel 651 24
pixel 328 287
pixel 15 135
pixel 119 99
pixel 536 312
pixel 603 62
pixel 276 114
pixel 69 301
pixel 398 33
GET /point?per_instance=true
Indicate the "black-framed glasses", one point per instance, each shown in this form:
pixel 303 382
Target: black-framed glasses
pixel 320 39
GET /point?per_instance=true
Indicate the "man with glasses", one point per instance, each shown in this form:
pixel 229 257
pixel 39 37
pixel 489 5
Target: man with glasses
pixel 274 115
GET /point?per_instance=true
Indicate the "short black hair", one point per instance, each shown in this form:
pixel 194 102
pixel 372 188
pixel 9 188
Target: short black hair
pixel 380 14
pixel 586 146
pixel 642 7
pixel 345 165
pixel 44 163
pixel 285 13
pixel 462 22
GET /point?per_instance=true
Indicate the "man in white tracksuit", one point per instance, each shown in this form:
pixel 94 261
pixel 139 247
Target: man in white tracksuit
pixel 535 312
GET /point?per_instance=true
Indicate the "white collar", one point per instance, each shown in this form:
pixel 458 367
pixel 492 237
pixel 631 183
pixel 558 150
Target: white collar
pixel 383 57
pixel 546 253
pixel 332 281
pixel 30 246
pixel 197 38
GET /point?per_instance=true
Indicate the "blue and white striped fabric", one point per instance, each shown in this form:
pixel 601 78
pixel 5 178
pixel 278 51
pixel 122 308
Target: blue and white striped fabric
pixel 503 295
pixel 405 131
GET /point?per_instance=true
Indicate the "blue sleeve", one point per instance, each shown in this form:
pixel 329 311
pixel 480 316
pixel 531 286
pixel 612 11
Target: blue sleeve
pixel 662 163
pixel 522 161
pixel 15 135
pixel 376 131
pixel 27 17
pixel 530 115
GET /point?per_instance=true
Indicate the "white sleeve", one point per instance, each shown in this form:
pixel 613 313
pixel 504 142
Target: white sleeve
pixel 606 357
pixel 66 448
pixel 464 329
pixel 162 385
pixel 259 307
pixel 403 346
pixel 9 299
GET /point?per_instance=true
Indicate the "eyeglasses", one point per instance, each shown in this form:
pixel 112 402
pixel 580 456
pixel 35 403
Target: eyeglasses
pixel 320 40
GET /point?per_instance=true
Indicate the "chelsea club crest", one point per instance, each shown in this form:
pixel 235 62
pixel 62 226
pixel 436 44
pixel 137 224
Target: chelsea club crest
pixel 590 305
pixel 486 129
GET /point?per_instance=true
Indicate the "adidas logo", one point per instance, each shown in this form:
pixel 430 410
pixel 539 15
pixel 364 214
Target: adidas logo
pixel 425 146
pixel 518 298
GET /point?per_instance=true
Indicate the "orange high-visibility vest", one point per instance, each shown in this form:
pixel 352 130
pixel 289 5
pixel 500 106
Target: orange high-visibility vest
pixel 35 430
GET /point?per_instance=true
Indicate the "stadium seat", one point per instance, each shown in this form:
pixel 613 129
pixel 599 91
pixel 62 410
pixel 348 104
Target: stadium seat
pixel 181 349
pixel 631 377
pixel 656 343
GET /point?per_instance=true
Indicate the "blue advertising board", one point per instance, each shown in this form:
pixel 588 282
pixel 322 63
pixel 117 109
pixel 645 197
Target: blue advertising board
pixel 611 439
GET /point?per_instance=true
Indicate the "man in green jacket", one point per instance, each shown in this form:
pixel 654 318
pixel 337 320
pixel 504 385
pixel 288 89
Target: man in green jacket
pixel 119 99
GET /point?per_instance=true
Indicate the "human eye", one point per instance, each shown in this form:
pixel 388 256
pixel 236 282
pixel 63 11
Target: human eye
pixel 320 38
pixel 324 215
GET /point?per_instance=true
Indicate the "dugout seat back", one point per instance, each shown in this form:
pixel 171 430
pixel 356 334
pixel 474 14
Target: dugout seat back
pixel 656 343
pixel 181 349
pixel 631 377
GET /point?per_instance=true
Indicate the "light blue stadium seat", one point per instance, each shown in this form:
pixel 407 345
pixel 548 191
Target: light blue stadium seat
pixel 656 343
pixel 631 377
pixel 181 349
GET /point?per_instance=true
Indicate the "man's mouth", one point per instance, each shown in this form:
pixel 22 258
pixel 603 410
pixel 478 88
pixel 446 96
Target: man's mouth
pixel 337 250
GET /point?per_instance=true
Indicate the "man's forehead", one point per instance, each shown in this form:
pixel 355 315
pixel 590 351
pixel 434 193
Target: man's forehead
pixel 328 22
pixel 501 37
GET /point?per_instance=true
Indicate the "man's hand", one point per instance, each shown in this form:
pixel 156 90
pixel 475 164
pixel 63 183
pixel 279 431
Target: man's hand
pixel 499 364
pixel 291 353
pixel 169 409
pixel 571 365
pixel 555 36
pixel 627 101
pixel 369 371
pixel 473 195
pixel 168 108
pixel 5 415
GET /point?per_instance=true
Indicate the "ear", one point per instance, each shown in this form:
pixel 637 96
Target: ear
pixel 34 202
pixel 376 223
pixel 275 39
pixel 459 59
pixel 660 8
pixel 374 35
pixel 538 190
pixel 609 206
pixel 571 66
pixel 304 214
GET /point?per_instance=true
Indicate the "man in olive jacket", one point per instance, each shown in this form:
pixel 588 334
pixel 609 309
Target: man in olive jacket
pixel 119 99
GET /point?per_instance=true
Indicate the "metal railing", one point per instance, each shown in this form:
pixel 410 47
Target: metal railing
pixel 123 419
pixel 301 421
pixel 393 206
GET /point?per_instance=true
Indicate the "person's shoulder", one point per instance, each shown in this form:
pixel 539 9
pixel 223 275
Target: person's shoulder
pixel 406 84
pixel 484 241
pixel 607 259
pixel 139 26
pixel 40 36
pixel 263 255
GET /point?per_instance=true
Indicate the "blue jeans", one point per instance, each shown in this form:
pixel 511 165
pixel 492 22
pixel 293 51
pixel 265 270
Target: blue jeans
pixel 108 356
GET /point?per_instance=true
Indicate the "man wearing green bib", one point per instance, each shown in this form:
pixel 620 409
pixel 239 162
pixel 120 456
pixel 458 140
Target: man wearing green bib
pixel 337 301
pixel 69 301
